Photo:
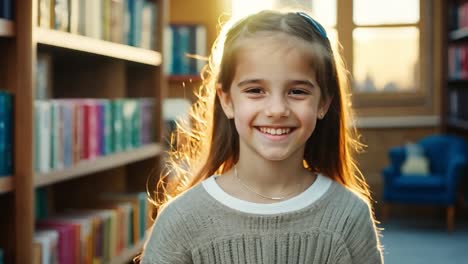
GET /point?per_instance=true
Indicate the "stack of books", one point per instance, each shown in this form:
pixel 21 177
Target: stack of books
pixel 68 131
pixel 93 235
pixel 130 22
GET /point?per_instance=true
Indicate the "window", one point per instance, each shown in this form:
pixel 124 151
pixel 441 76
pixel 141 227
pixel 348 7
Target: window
pixel 384 49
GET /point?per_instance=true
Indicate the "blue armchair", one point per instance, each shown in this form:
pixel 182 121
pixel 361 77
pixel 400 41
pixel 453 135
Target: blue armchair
pixel 448 160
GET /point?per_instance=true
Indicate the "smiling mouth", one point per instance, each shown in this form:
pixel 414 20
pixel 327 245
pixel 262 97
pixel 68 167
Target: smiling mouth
pixel 275 131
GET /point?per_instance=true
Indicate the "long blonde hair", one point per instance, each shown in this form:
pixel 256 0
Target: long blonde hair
pixel 210 144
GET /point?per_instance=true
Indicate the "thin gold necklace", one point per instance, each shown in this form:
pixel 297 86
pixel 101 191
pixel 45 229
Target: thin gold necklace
pixel 259 194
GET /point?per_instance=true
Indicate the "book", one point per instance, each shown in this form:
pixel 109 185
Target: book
pixel 45 14
pixel 117 20
pixel 48 239
pixel 148 25
pixel 37 253
pixel 117 125
pixel 93 16
pixel 85 224
pixel 6 133
pixel 42 132
pixel 141 209
pixel 6 9
pixel 182 44
pixel 147 120
pixel 61 15
pixel 43 83
pixel 56 136
pixel 66 108
pixel 68 239
pixel 135 8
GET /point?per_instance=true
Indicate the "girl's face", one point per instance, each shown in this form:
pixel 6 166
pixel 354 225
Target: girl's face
pixel 274 98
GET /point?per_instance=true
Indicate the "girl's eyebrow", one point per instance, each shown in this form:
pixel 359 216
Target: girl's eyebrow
pixel 248 81
pixel 302 82
pixel 293 82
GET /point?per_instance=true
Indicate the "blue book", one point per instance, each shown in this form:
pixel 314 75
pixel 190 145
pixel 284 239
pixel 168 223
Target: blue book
pixel 6 9
pixel 67 119
pixel 6 133
pixel 135 10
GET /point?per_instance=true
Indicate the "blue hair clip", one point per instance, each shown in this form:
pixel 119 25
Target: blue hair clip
pixel 316 25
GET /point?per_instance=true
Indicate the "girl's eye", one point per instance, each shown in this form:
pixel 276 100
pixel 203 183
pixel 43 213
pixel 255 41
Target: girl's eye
pixel 299 92
pixel 255 90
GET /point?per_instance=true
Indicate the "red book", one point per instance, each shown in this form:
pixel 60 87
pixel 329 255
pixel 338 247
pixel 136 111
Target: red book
pixel 68 242
pixel 77 130
pixel 90 129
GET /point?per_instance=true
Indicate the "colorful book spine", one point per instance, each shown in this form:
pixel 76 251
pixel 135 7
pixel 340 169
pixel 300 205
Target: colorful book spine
pixel 6 133
pixel 6 9
pixel 117 20
pixel 148 25
pixel 48 239
pixel 56 136
pixel 117 125
pixel 135 8
pixel 67 237
pixel 147 120
pixel 61 15
pixel 42 131
pixel 67 122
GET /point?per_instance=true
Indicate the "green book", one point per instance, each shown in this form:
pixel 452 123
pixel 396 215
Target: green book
pixel 136 125
pixel 117 125
pixel 129 108
pixel 107 127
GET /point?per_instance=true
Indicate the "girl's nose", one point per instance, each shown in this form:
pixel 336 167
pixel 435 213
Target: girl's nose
pixel 277 107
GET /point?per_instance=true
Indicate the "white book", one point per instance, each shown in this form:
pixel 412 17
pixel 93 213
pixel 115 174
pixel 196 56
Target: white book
pixel 93 27
pixel 200 46
pixel 168 59
pixel 42 135
pixel 49 241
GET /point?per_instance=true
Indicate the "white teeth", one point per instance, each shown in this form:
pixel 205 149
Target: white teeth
pixel 275 131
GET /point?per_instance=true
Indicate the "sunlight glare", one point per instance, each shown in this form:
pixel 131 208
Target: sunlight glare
pixel 242 8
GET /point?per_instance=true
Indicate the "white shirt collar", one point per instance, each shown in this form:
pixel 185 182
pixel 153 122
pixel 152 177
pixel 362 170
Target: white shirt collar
pixel 304 199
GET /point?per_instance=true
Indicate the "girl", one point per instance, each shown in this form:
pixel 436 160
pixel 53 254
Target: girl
pixel 266 173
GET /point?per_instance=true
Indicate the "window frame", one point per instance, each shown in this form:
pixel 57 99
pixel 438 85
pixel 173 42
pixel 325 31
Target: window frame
pixel 421 100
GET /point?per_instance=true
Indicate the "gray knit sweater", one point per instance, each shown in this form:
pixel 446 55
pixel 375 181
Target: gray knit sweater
pixel 325 224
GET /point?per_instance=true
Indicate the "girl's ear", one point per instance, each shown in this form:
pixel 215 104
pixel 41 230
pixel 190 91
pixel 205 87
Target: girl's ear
pixel 323 108
pixel 225 100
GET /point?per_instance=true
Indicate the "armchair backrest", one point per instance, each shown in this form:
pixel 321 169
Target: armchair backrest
pixel 440 149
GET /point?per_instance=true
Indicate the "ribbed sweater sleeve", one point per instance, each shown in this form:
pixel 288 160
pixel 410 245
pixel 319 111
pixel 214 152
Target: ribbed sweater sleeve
pixel 167 242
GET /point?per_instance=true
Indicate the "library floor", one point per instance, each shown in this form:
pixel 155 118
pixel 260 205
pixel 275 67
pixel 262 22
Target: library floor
pixel 417 241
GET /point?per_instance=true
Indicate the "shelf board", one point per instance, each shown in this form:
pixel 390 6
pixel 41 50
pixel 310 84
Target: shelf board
pixel 98 164
pixel 458 123
pixel 96 46
pixel 7 28
pixel 6 184
pixel 458 34
pixel 128 254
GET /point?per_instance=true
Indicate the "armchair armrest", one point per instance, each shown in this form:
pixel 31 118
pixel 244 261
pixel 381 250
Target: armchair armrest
pixel 397 156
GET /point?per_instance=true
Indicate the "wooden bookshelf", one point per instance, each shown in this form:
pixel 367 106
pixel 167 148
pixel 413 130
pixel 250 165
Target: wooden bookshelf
pixel 7 28
pixel 96 46
pixel 458 123
pixel 128 254
pixel 6 184
pixel 82 67
pixel 99 164
pixel 454 92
